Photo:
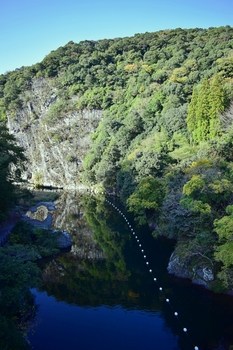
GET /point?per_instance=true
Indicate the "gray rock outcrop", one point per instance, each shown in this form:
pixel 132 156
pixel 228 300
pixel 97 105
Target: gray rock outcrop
pixel 64 240
pixel 200 272
pixel 55 142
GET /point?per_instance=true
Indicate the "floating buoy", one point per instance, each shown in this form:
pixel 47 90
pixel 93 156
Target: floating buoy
pixel 155 279
pixel 147 263
pixel 185 329
pixel 133 233
pixel 176 313
pixel 145 256
pixel 142 250
pixel 140 245
pixel 160 288
pixel 196 348
pixel 150 270
pixel 167 300
pixel 137 240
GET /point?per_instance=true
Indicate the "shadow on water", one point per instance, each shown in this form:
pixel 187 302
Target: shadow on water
pixel 101 294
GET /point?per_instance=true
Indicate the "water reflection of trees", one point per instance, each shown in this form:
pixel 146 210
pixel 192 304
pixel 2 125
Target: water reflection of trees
pixel 105 267
pixel 95 271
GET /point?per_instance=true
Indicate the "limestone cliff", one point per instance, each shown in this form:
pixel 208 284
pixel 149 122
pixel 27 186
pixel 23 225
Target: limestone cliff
pixel 55 142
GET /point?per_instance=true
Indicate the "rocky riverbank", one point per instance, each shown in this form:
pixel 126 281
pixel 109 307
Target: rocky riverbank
pixel 200 273
pixel 41 215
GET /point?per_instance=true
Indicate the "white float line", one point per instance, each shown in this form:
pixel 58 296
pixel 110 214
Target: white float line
pixel 185 330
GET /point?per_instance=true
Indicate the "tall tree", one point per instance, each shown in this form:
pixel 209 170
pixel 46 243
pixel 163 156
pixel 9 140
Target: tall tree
pixel 11 157
pixel 202 113
pixel 192 111
pixel 203 120
pixel 217 105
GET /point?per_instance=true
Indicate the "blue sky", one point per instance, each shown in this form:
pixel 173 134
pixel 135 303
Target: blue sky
pixel 30 29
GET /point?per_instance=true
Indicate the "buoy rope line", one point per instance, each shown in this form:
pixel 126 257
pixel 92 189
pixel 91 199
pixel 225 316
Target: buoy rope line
pixel 176 314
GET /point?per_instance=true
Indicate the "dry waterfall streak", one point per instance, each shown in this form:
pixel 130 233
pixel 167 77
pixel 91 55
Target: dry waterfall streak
pixel 160 288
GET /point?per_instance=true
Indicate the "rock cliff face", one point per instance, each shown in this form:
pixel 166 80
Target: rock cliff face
pixel 200 271
pixel 55 142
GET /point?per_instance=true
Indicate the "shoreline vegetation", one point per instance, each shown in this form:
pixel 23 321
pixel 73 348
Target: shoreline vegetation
pixel 27 241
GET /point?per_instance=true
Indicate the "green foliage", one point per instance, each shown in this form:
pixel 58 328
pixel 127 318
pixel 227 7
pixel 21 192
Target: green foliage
pixel 203 118
pixel 182 148
pixel 150 163
pixel 43 241
pixel 147 195
pixel 192 118
pixel 58 108
pixel 194 185
pixel 159 91
pixel 224 229
pixel 17 276
pixel 196 206
pixel 11 158
pixel 175 120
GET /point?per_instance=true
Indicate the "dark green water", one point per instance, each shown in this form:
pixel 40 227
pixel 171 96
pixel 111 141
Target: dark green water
pixel 101 295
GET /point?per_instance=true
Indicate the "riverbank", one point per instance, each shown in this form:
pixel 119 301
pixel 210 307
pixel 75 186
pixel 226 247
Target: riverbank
pixel 20 210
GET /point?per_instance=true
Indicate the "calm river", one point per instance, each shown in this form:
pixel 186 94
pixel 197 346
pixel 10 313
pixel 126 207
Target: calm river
pixel 101 294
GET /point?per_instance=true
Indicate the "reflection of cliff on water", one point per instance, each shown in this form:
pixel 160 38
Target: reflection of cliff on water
pixel 69 216
pixel 94 272
pixel 106 267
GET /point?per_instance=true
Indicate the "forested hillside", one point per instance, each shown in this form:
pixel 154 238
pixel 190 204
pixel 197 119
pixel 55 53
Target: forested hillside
pixel 165 142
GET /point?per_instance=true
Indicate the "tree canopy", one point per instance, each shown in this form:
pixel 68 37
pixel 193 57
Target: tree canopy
pixel 167 125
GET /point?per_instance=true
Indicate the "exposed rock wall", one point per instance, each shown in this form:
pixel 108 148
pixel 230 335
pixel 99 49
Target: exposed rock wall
pixel 54 146
pixel 199 271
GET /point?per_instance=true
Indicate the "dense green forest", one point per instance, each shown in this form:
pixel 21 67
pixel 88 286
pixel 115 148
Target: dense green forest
pixel 164 145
